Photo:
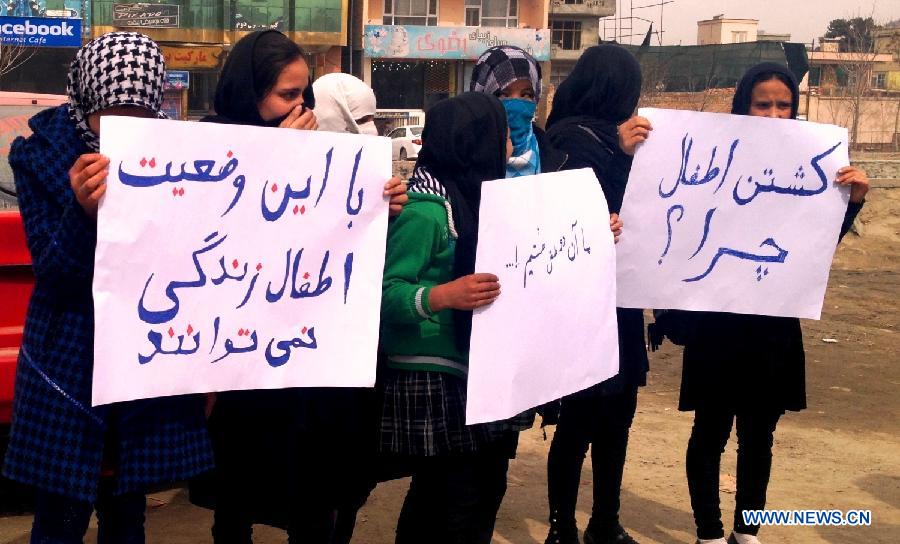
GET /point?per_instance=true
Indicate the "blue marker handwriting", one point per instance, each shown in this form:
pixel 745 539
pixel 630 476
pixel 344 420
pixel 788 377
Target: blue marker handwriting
pixel 761 272
pixel 795 188
pixel 570 247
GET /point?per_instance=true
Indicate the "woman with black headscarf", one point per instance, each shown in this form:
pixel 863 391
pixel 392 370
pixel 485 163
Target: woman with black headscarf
pixel 282 455
pixel 429 290
pixel 592 121
pixel 748 368
pixel 78 457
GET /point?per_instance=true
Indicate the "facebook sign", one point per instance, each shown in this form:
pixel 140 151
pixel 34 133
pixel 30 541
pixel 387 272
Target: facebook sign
pixel 40 32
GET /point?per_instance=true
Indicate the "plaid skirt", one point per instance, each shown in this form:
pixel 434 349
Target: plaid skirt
pixel 424 414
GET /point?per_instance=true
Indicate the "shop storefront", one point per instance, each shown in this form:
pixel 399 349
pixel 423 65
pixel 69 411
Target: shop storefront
pixel 412 67
pixel 196 35
pixel 39 40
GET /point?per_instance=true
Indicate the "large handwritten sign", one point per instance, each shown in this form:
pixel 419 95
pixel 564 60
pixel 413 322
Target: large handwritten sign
pixel 447 43
pixel 236 257
pixel 732 213
pixel 552 331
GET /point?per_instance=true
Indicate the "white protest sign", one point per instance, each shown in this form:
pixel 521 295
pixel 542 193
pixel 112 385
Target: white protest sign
pixel 553 330
pixel 236 257
pixel 732 213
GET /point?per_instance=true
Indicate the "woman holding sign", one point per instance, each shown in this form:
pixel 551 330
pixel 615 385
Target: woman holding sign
pixel 592 121
pixel 80 458
pixel 748 368
pixel 280 454
pixel 429 290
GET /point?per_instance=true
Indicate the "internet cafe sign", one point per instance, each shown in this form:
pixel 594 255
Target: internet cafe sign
pixel 146 15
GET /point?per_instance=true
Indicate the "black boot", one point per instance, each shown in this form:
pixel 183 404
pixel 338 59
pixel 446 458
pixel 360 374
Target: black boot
pixel 562 532
pixel 616 535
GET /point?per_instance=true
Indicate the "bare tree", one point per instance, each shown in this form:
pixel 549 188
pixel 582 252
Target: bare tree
pixel 12 56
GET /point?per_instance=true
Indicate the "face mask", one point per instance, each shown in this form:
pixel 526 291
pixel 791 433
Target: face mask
pixel 368 128
pixel 520 115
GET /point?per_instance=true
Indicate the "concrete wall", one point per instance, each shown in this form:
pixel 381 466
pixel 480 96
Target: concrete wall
pixel 877 122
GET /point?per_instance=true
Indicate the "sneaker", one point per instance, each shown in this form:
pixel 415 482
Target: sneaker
pixel 713 541
pixel 740 538
pixel 616 536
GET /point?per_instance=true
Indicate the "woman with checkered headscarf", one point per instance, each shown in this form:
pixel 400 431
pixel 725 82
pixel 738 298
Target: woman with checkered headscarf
pixel 80 458
pixel 514 76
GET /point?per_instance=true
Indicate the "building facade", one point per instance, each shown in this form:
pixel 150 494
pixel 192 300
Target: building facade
pixel 196 35
pixel 574 26
pixel 886 76
pixel 417 52
pixel 719 30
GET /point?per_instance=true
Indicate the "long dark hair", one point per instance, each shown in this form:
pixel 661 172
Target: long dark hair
pixel 250 71
pixel 272 53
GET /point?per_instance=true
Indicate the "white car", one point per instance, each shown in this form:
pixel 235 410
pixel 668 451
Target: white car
pixel 406 142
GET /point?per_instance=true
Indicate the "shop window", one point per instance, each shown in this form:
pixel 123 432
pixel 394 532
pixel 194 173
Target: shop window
pixel 258 15
pixel 566 35
pixel 317 15
pixel 202 93
pixel 410 12
pixel 193 13
pixel 398 85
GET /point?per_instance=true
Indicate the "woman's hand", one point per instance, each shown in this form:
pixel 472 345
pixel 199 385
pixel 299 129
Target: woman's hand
pixel 632 132
pixel 301 118
pixel 615 225
pixel 465 293
pixel 858 181
pixel 395 189
pixel 87 178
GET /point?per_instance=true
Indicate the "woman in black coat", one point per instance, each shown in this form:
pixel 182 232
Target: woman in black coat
pixel 745 368
pixel 592 121
pixel 292 457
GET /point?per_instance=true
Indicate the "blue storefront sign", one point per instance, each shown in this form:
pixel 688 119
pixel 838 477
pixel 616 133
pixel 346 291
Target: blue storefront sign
pixel 177 80
pixel 40 32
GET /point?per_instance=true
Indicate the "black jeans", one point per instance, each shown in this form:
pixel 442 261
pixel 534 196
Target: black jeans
pixel 454 499
pixel 63 520
pixel 712 427
pixel 603 421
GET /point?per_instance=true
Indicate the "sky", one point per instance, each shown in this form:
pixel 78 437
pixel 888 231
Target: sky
pixel 803 19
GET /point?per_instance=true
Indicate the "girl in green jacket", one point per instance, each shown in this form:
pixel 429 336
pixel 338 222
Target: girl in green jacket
pixel 458 471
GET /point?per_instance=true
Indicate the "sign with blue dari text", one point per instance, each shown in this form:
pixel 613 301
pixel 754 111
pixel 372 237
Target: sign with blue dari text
pixel 40 32
pixel 732 213
pixel 552 331
pixel 236 257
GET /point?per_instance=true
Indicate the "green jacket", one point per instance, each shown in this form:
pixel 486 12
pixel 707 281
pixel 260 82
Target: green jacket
pixel 420 251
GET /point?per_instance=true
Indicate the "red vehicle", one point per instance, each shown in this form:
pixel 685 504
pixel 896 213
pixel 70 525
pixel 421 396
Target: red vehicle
pixel 16 282
pixel 16 277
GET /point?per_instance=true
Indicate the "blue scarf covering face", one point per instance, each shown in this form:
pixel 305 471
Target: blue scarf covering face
pixel 526 158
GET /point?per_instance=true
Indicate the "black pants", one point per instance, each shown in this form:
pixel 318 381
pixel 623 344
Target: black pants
pixel 454 499
pixel 602 421
pixel 712 427
pixel 63 520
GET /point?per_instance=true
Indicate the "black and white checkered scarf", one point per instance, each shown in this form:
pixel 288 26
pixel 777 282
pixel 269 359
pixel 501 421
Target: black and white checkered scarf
pixel 502 65
pixel 116 69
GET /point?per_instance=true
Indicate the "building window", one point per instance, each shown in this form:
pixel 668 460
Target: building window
pixel 250 15
pixel 815 76
pixel 410 12
pixel 559 72
pixel 739 37
pixel 566 35
pixel 879 80
pixel 500 13
pixel 496 13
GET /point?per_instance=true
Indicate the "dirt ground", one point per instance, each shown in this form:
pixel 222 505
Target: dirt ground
pixel 843 452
